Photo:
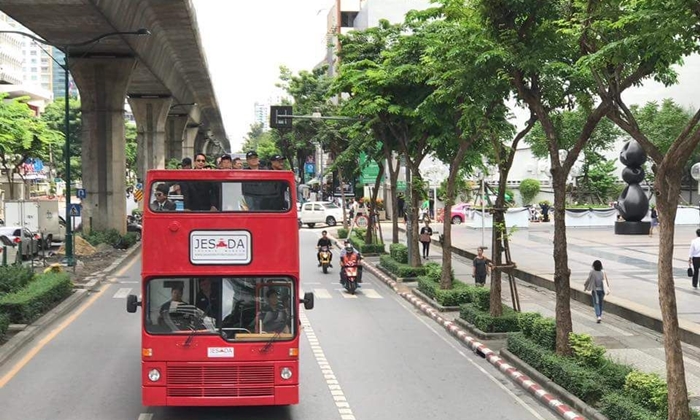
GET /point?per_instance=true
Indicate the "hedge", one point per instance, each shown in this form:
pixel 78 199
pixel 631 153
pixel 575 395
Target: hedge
pixel 399 252
pixel 4 324
pixel 42 294
pixel 583 382
pixel 342 233
pixel 367 248
pixel 14 277
pixel 399 269
pixel 459 294
pixel 615 405
pixel 483 320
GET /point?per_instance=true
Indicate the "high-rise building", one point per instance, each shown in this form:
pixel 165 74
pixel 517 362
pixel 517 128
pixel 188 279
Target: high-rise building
pixel 262 115
pixel 10 52
pixel 59 78
pixel 37 64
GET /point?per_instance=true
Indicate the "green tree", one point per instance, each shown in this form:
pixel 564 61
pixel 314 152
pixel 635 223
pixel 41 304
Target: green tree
pixel 131 151
pixel 597 183
pixel 255 136
pixel 53 116
pixel 529 188
pixel 22 135
pixel 626 43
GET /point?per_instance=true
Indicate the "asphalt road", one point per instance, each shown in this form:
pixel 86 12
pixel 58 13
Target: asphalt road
pixel 374 357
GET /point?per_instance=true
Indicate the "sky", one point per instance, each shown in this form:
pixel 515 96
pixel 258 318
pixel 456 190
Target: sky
pixel 246 42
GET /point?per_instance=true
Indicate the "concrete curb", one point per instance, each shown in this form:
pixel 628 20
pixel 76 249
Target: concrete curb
pixel 558 407
pixel 27 334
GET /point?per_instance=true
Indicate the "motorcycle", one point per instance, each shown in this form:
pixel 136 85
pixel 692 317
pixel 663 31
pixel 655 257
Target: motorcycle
pixel 325 259
pixel 351 276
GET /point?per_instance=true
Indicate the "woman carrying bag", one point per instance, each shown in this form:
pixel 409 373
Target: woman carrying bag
pixel 424 238
pixel 599 286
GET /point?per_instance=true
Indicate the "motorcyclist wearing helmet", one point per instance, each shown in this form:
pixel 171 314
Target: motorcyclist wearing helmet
pixel 323 241
pixel 350 257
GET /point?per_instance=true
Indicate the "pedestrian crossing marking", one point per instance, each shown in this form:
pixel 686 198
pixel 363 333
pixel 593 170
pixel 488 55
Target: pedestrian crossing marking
pixel 322 294
pixel 371 293
pixel 122 293
pixel 346 294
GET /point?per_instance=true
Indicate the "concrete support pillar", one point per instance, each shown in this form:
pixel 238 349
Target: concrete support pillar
pixel 175 132
pixel 150 115
pixel 188 142
pixel 103 83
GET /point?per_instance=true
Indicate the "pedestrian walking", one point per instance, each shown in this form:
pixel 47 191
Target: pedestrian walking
pixel 597 283
pixel 654 220
pixel 694 257
pixel 482 267
pixel 425 233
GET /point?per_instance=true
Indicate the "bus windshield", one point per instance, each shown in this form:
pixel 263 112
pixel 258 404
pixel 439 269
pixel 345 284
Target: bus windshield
pixel 227 196
pixel 237 308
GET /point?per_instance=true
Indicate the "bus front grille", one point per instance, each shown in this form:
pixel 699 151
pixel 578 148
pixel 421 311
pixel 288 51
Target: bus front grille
pixel 203 375
pixel 221 392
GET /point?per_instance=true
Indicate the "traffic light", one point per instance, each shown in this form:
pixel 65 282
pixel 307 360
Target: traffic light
pixel 280 117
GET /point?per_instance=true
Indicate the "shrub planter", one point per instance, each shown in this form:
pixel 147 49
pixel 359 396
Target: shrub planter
pixel 433 302
pixel 478 333
pixel 394 276
pixel 554 389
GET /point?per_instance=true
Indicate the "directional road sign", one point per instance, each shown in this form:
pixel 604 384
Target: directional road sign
pixel 75 209
pixel 81 193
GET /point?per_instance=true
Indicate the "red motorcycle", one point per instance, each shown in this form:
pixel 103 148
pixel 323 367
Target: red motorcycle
pixel 351 276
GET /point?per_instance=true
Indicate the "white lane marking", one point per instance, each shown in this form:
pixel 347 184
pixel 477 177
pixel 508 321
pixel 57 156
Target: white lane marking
pixel 128 282
pixel 322 294
pixel 461 353
pixel 341 402
pixel 371 293
pixel 145 416
pixel 122 293
pixel 346 294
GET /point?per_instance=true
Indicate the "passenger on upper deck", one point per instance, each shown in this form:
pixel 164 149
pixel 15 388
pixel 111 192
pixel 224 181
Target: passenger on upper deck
pixel 252 160
pixel 225 162
pixel 161 203
pixel 200 196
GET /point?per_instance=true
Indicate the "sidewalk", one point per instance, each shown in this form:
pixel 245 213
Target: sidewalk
pixel 624 340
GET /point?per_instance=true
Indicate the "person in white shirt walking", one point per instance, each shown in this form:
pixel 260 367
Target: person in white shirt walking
pixel 694 258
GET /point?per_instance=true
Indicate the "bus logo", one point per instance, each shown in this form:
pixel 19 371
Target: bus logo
pixel 220 352
pixel 220 247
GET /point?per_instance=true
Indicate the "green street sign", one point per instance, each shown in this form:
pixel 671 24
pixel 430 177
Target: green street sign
pixel 401 186
pixel 370 170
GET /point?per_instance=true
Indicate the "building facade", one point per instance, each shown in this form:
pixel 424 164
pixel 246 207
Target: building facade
pixel 10 52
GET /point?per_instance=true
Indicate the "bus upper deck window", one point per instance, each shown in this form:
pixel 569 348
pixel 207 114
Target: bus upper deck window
pixel 206 196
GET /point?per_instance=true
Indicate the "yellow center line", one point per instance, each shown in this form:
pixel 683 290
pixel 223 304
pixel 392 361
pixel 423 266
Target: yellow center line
pixel 46 340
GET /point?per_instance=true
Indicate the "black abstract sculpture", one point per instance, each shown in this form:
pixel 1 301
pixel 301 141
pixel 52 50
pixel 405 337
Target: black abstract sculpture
pixel 633 203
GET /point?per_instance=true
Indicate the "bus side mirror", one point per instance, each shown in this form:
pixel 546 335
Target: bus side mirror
pixel 308 300
pixel 132 302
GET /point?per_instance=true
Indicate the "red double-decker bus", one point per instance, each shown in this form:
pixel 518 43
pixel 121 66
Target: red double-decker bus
pixel 220 289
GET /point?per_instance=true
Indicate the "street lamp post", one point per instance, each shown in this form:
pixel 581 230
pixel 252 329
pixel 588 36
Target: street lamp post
pixel 70 259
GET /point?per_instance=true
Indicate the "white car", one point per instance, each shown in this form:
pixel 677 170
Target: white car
pixel 320 212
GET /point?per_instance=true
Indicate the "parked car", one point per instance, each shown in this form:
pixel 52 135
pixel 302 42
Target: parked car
pixel 133 224
pixel 459 213
pixel 31 242
pixel 320 212
pixel 7 245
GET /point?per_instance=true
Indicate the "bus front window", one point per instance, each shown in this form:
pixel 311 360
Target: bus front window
pixel 238 308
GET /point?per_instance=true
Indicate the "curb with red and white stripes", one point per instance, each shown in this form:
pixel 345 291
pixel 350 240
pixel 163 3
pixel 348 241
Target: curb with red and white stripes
pixel 511 372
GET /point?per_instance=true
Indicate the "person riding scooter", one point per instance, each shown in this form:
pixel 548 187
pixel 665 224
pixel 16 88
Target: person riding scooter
pixel 350 258
pixel 323 241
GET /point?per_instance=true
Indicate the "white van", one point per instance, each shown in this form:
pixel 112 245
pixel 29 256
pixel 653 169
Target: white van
pixel 320 212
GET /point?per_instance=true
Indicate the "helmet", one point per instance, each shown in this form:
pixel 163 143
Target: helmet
pixel 349 249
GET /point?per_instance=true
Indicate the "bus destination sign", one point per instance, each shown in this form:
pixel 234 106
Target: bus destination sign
pixel 220 247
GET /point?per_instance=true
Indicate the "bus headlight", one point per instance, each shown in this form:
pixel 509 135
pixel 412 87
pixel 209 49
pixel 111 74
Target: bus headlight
pixel 286 373
pixel 154 375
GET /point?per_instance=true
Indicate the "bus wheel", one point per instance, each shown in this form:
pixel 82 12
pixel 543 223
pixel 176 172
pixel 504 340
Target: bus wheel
pixel 311 225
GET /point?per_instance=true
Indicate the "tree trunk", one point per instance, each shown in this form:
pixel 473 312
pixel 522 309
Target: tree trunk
pixel 446 276
pixel 414 258
pixel 371 207
pixel 342 194
pixel 562 273
pixel 393 180
pixel 667 204
pixel 498 230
